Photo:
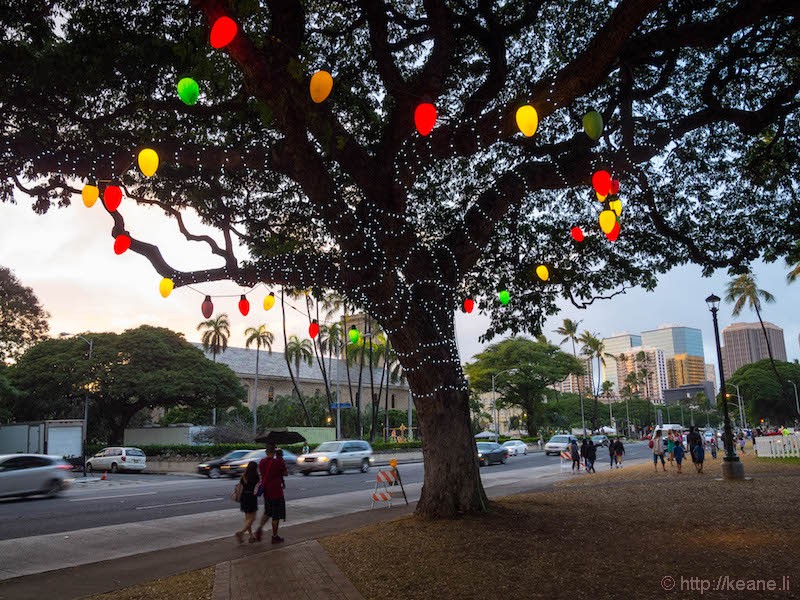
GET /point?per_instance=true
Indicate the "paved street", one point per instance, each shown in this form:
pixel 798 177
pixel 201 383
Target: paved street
pixel 134 514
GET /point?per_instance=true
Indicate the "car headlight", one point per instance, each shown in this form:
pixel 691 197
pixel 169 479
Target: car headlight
pixel 203 466
pixel 323 459
pixel 480 455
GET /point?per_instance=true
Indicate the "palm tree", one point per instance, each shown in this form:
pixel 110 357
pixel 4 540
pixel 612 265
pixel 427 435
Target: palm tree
pixel 288 360
pixel 216 332
pixel 262 338
pixel 594 347
pixel 606 389
pixel 569 329
pixel 743 290
pixel 299 351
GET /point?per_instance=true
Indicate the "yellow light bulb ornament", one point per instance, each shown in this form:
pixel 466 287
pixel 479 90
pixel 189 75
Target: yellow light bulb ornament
pixel 527 120
pixel 600 197
pixel 320 86
pixel 616 206
pixel 166 286
pixel 148 162
pixel 269 301
pixel 607 220
pixel 90 194
pixel 542 272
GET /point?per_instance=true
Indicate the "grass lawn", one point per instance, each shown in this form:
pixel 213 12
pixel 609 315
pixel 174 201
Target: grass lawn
pixel 194 585
pixel 615 534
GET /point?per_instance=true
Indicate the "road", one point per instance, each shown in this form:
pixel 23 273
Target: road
pixel 132 498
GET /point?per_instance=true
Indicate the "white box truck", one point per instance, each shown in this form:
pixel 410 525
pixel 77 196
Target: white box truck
pixel 57 438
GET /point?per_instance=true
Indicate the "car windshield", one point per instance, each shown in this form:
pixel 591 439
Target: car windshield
pixel 236 454
pixel 559 439
pixel 598 437
pixel 134 452
pixel 327 447
pixel 485 446
pixel 255 454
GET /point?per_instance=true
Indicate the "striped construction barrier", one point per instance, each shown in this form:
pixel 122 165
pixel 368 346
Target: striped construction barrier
pixel 566 461
pixel 388 486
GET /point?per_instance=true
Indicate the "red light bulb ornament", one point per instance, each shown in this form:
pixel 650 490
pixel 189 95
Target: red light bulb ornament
pixel 615 186
pixel 223 31
pixel 112 197
pixel 577 234
pixel 313 329
pixel 121 243
pixel 601 182
pixel 244 305
pixel 425 118
pixel 469 305
pixel 207 307
pixel 614 233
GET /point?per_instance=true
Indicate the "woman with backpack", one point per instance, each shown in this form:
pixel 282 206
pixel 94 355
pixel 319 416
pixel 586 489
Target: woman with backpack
pixel 248 502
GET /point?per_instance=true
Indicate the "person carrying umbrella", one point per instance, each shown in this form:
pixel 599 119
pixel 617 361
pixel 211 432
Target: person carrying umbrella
pixel 272 470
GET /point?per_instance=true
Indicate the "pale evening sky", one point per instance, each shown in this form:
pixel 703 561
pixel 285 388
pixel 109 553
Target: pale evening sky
pixel 67 258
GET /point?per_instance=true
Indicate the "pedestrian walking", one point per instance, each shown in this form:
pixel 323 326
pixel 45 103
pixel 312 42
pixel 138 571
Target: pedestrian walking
pixel 657 444
pixel 698 456
pixel 272 470
pixel 612 455
pixel 670 446
pixel 742 441
pixel 248 502
pixel 592 449
pixel 576 456
pixel 305 449
pixel 585 452
pixel 713 443
pixel 678 451
pixel 619 451
pixel 541 443
pixel 693 440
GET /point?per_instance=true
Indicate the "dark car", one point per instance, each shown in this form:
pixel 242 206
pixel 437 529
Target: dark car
pixel 212 468
pixel 235 468
pixel 491 452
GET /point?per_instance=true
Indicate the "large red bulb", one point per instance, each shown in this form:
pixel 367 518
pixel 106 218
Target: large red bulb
pixel 615 186
pixel 244 305
pixel 601 182
pixel 112 197
pixel 223 31
pixel 614 233
pixel 207 307
pixel 577 234
pixel 425 118
pixel 313 330
pixel 469 305
pixel 121 243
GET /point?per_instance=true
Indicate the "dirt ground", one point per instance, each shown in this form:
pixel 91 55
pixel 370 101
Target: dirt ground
pixel 627 533
pixel 193 585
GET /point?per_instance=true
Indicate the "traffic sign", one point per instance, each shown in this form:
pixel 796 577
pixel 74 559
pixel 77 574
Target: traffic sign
pixel 341 405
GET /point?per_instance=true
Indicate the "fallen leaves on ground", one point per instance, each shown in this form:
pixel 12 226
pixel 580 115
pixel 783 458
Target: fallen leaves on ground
pixel 193 585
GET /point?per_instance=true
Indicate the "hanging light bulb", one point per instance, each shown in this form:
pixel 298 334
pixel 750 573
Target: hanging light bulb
pixel 188 91
pixel 244 305
pixel 601 182
pixel 527 120
pixel 320 86
pixel 593 124
pixel 90 194
pixel 425 118
pixel 207 307
pixel 614 233
pixel 607 220
pixel 223 31
pixel 354 335
pixel 269 301
pixel 542 272
pixel 313 329
pixel 112 197
pixel 165 287
pixel 121 243
pixel 504 297
pixel 469 305
pixel 148 162
pixel 577 234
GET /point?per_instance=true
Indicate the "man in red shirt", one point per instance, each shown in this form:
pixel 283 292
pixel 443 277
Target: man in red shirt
pixel 272 470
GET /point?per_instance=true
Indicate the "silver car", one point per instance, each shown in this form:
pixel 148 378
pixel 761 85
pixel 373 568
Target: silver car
pixel 33 475
pixel 335 457
pixel 559 443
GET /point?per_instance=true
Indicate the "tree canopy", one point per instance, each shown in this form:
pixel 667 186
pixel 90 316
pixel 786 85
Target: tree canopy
pixel 762 394
pixel 23 321
pixel 143 368
pixel 699 100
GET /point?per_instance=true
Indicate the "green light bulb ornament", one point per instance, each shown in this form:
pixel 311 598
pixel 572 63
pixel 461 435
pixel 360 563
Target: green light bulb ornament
pixel 354 335
pixel 188 90
pixel 504 297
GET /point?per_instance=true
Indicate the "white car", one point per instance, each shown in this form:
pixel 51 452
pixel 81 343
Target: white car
pixel 559 443
pixel 117 458
pixel 516 447
pixel 33 474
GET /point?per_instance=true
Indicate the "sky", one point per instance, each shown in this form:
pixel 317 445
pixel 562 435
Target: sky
pixel 67 257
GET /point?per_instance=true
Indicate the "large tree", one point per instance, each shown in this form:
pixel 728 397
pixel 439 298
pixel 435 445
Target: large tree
pixel 761 391
pixel 143 368
pixel 23 321
pixel 698 97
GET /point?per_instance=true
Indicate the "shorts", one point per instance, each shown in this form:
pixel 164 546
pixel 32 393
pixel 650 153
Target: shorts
pixel 275 508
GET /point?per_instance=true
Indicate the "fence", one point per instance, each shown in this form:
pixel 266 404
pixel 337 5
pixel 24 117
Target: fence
pixel 778 446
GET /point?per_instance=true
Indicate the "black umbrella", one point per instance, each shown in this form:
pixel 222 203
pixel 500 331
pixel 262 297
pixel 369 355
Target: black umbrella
pixel 280 436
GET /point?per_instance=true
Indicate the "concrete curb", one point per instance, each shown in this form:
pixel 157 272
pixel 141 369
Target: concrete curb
pixel 222 581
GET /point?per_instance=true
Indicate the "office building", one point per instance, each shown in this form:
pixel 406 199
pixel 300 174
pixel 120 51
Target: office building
pixel 711 376
pixel 614 346
pixel 683 351
pixel 650 369
pixel 744 344
pixel 574 383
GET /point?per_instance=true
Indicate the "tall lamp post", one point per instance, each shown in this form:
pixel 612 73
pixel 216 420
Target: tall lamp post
pixel 85 399
pixel 732 467
pixel 494 404
pixel 741 406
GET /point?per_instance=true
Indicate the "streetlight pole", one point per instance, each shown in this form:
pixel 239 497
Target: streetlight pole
pixel 85 400
pixel 741 406
pixel 732 468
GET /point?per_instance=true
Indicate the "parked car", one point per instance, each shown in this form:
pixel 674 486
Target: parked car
pixel 600 440
pixel 235 468
pixel 558 444
pixel 335 457
pixel 33 474
pixel 211 468
pixel 491 452
pixel 117 458
pixel 516 447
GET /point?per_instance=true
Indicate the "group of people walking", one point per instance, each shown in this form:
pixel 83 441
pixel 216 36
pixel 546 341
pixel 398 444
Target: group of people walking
pixel 671 448
pixel 588 452
pixel 263 478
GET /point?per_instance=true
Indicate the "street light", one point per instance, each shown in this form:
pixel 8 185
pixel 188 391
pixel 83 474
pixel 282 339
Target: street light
pixel 495 414
pixel 741 406
pixel 732 468
pixel 85 398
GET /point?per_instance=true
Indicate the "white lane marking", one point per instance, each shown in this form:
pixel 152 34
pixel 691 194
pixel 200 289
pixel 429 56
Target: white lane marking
pixel 117 496
pixel 178 503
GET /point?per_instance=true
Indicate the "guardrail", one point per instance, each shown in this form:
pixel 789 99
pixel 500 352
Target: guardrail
pixel 778 446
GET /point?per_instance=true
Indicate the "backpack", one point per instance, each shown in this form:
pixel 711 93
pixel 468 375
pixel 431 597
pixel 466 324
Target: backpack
pixel 236 496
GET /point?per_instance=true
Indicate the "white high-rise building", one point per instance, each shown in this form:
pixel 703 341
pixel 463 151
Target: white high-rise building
pixel 650 367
